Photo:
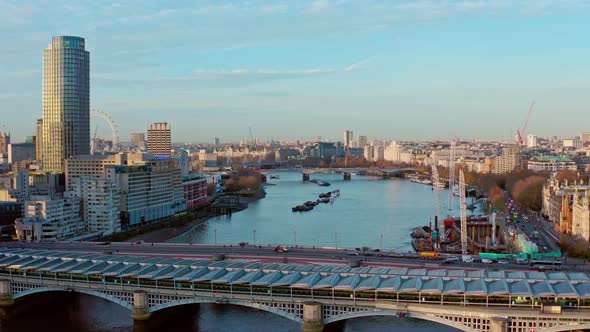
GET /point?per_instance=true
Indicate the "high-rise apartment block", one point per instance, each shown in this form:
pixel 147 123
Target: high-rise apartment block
pixel 159 139
pixel 66 101
pixel 362 141
pixel 508 160
pixel 348 138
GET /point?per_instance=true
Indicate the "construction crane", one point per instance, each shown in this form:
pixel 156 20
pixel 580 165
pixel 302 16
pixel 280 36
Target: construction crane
pixel 436 186
pixel 451 179
pixel 463 206
pixel 520 133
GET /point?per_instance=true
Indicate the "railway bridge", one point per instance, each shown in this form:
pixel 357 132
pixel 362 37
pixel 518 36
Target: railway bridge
pixel 313 295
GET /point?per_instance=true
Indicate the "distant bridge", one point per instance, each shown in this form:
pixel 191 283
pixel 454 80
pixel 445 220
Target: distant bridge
pixel 346 172
pixel 313 295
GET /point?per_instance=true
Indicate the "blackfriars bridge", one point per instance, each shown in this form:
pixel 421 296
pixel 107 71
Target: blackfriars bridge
pixel 313 295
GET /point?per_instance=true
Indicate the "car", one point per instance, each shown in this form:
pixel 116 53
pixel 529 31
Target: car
pixel 502 261
pixel 452 258
pixel 486 261
pixel 281 248
pixel 446 262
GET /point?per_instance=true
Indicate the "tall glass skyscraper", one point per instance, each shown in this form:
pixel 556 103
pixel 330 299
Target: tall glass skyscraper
pixel 66 101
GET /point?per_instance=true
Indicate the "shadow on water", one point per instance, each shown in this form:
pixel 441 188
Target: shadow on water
pixel 73 312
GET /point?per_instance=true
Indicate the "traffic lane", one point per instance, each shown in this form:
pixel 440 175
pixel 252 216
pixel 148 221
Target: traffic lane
pixel 318 254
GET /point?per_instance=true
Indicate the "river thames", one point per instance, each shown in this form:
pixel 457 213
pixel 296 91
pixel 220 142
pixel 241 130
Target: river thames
pixel 369 212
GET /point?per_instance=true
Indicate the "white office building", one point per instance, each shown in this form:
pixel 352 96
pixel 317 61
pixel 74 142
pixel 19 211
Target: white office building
pixel 49 218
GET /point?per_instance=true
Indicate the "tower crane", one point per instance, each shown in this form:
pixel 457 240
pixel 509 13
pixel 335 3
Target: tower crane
pixel 436 186
pixel 520 133
pixel 451 179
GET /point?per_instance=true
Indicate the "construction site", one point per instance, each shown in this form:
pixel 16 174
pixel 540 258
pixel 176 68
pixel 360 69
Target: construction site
pixel 461 234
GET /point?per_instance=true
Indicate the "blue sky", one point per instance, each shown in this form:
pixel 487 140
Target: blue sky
pixel 389 69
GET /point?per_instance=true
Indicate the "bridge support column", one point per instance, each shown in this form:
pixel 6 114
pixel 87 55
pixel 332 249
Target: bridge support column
pixel 347 176
pixel 498 324
pixel 312 317
pixel 305 177
pixel 140 306
pixel 5 293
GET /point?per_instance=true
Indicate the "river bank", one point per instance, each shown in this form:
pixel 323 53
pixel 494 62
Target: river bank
pixel 173 233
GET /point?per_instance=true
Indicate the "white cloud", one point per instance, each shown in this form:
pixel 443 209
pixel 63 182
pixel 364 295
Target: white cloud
pixel 358 65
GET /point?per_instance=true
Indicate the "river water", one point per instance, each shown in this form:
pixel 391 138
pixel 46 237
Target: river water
pixel 369 212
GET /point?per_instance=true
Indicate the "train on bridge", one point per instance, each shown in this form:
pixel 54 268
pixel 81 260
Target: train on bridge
pixel 310 294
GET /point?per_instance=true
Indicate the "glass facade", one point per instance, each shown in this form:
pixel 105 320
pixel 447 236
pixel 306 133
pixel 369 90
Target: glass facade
pixel 66 101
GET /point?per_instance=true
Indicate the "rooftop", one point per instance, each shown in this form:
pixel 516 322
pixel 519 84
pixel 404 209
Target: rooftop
pixel 305 276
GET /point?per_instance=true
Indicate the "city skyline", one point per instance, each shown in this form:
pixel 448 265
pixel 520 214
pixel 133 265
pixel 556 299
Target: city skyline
pixel 404 70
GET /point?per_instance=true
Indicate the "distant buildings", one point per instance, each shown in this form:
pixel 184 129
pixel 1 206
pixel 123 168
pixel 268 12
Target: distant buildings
pixel 159 139
pixel 284 154
pixel 374 152
pixel 18 152
pixel 532 141
pixel 508 160
pixel 551 164
pixel 138 141
pixel 574 143
pixel 581 215
pixel 4 142
pixel 348 138
pixel 362 141
pixel 585 137
pixel 66 101
pixel 564 204
pixel 216 141
pixel 323 150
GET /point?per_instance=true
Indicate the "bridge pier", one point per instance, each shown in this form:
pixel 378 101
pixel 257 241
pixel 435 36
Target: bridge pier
pixel 140 306
pixel 305 177
pixel 498 324
pixel 346 176
pixel 6 293
pixel 312 317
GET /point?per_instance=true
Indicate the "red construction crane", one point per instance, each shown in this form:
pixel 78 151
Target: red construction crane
pixel 521 132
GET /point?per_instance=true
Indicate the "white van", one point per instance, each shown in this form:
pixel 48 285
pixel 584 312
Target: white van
pixel 467 259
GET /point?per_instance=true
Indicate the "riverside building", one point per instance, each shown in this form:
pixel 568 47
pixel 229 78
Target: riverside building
pixel 148 191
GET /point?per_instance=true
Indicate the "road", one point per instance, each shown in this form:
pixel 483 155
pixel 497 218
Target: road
pixel 533 226
pixel 304 255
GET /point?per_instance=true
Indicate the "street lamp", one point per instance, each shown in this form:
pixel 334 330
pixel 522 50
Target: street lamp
pixel 381 240
pixel 254 231
pixel 215 231
pixel 336 237
pixel 294 237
